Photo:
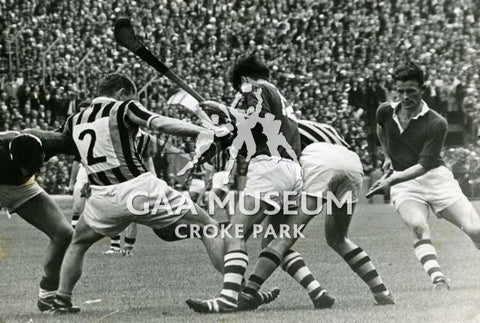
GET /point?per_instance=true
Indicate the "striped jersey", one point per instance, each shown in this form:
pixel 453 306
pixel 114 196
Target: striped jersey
pixel 311 132
pixel 106 140
pixel 145 144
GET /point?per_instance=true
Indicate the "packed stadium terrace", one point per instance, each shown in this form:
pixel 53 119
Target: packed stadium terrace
pixel 332 59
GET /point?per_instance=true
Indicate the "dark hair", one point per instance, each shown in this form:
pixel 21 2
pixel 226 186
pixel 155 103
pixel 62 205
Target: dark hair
pixel 250 67
pixel 410 71
pixel 114 82
pixel 27 152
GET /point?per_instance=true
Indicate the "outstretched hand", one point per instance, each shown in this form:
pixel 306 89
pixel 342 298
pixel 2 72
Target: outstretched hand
pixel 218 131
pixel 381 186
pixel 210 107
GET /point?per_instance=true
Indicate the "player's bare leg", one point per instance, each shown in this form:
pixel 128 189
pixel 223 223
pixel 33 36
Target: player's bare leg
pixel 336 232
pixel 415 215
pixel 463 215
pixel 78 206
pixel 72 267
pixel 41 212
pixel 235 260
pixel 221 194
pixel 214 245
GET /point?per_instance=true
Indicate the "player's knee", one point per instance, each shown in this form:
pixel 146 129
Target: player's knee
pixel 473 231
pixel 334 240
pixel 419 227
pixel 170 233
pixel 210 230
pixel 63 236
pixel 280 246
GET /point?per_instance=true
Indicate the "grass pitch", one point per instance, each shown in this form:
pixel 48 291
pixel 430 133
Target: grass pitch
pixel 153 284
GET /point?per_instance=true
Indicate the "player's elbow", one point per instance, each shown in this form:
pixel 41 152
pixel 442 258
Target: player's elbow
pixel 429 162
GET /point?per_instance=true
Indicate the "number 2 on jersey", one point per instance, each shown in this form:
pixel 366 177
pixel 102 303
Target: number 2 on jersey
pixel 91 160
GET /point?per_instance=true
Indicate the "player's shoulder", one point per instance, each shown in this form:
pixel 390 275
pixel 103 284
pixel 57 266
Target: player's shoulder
pixel 133 103
pixel 314 124
pixel 436 120
pixel 385 107
pixel 310 122
pixel 134 107
pixel 384 111
pixel 71 118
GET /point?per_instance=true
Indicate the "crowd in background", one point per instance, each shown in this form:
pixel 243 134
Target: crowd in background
pixel 332 59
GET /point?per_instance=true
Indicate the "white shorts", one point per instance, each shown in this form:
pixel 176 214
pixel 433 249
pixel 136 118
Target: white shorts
pixel 331 168
pixel 79 201
pixel 218 181
pixel 196 186
pixel 14 196
pixel 437 188
pixel 267 174
pixel 110 209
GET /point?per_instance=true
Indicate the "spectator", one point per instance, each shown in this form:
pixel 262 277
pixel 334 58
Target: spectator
pixel 332 59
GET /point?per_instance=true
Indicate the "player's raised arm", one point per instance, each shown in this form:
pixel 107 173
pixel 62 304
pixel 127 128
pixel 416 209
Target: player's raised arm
pixel 140 116
pixel 53 142
pixel 213 107
pixel 8 135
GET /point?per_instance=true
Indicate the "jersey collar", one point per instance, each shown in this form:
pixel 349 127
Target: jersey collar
pixel 425 109
pixel 396 105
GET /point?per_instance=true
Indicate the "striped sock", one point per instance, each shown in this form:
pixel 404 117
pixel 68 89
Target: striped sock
pixel 129 243
pixel 266 264
pixel 43 293
pixel 115 242
pixel 235 266
pixel 360 263
pixel 48 287
pixel 295 266
pixel 75 218
pixel 426 254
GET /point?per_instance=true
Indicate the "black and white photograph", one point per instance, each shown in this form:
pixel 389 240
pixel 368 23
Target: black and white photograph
pixel 240 161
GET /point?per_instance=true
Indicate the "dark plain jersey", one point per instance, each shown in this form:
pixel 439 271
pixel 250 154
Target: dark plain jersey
pixel 53 143
pixel 312 132
pixel 420 143
pixel 106 140
pixel 272 102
